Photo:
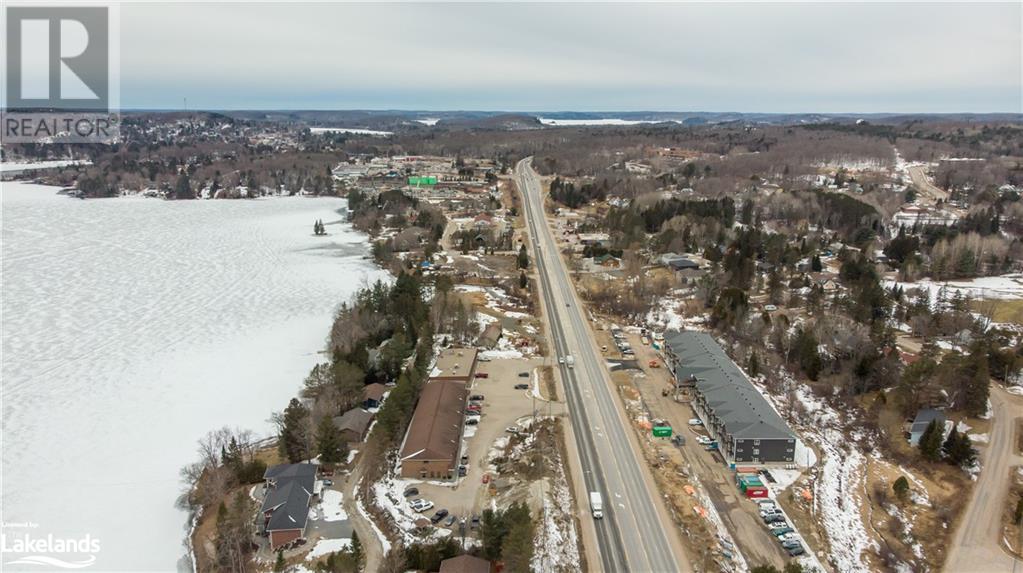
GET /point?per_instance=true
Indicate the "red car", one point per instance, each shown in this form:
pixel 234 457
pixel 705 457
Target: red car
pixel 482 375
pixel 474 407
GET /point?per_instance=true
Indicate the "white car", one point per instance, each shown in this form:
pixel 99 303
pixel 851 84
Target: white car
pixel 695 422
pixel 421 505
pixel 788 536
pixel 703 440
pixel 512 429
pixel 778 525
pixel 765 511
pixel 561 360
pixel 483 358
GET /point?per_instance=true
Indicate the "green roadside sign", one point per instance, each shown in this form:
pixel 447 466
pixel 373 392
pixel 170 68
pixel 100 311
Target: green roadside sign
pixel 662 431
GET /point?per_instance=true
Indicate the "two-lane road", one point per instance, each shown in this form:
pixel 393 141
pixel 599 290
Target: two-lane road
pixel 636 533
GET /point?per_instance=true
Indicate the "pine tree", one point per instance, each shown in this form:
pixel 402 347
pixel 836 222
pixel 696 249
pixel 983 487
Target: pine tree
pixel 328 441
pixel 950 448
pixel 294 438
pixel 754 365
pixel 901 487
pixel 356 549
pixel 183 187
pixel 279 564
pixel 523 260
pixel 523 280
pixel 815 264
pixel 930 442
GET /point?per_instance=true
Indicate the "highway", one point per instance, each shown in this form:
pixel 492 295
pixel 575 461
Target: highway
pixel 634 534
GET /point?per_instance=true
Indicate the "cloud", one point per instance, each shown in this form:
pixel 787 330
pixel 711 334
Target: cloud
pixel 745 57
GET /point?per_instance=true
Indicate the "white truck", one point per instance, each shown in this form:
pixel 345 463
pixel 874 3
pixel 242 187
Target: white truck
pixel 596 505
pixel 570 360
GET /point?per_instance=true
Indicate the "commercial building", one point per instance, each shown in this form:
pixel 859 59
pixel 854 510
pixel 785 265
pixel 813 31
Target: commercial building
pixel 455 364
pixel 434 437
pixel 746 426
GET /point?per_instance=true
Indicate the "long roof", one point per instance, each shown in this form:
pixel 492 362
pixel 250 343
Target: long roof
pixel 436 428
pixel 741 408
pixel 356 420
pixel 288 499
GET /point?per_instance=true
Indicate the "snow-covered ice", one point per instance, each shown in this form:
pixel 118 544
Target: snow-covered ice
pixel 132 327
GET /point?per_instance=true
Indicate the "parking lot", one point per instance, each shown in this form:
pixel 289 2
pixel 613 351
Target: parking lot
pixel 503 407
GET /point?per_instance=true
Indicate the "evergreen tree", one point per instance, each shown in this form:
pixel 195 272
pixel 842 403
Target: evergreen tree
pixel 523 280
pixel 901 487
pixel 279 564
pixel 329 442
pixel 356 549
pixel 183 187
pixel 950 448
pixel 523 260
pixel 294 432
pixel 815 264
pixel 930 442
pixel 754 365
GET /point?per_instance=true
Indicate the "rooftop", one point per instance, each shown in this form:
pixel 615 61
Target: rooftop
pixel 742 409
pixel 436 428
pixel 454 362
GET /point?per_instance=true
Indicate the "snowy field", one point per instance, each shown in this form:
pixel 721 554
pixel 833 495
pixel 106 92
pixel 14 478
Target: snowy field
pixel 131 327
pixel 599 121
pixel 15 167
pixel 1005 287
pixel 351 130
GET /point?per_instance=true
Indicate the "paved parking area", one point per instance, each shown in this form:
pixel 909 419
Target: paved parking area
pixel 503 406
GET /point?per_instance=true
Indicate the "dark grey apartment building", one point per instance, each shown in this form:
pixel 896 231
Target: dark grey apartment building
pixel 748 429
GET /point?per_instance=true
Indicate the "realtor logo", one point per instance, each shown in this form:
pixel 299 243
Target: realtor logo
pixel 58 58
pixel 58 81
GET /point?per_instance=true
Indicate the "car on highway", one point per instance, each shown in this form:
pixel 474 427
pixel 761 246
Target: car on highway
pixel 695 422
pixel 522 386
pixel 439 515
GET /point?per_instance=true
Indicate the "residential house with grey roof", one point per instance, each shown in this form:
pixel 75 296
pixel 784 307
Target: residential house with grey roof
pixel 286 495
pixel 747 427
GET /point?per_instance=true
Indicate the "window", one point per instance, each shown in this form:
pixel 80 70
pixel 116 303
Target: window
pixel 756 451
pixel 756 442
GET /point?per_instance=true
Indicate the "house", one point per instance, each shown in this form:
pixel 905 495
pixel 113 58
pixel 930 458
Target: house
pixel 434 437
pixel 683 264
pixel 923 419
pixel 373 395
pixel 607 260
pixel 465 564
pixel 285 509
pixel 746 426
pixel 490 336
pixel 594 239
pixel 353 424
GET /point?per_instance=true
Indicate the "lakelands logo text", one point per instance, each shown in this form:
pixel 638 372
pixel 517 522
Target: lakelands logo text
pixel 59 86
pixel 49 551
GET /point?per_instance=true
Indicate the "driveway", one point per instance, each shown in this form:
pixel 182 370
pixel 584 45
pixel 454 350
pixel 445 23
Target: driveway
pixel 976 545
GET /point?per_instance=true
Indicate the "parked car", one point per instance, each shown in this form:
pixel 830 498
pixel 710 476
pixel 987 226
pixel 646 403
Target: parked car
pixel 788 536
pixel 465 460
pixel 770 307
pixel 782 530
pixel 791 544
pixel 483 358
pixel 523 374
pixel 462 470
pixel 561 360
pixel 512 429
pixel 695 422
pixel 795 551
pixel 475 523
pixel 450 520
pixel 474 408
pixel 328 483
pixel 476 397
pixel 411 491
pixel 472 421
pixel 441 514
pixel 522 386
pixel 420 505
pixel 482 375
pixel 773 518
pixel 765 511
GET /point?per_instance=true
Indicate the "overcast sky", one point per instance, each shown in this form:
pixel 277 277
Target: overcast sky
pixel 764 57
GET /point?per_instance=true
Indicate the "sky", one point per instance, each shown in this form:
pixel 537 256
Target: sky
pixel 747 57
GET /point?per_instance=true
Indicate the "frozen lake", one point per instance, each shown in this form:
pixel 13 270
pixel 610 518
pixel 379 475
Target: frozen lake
pixel 133 326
